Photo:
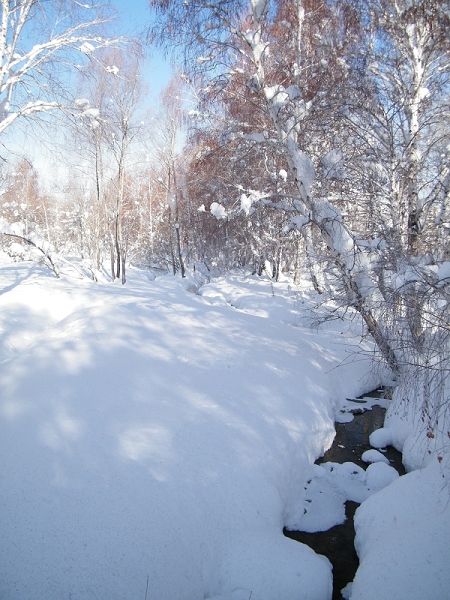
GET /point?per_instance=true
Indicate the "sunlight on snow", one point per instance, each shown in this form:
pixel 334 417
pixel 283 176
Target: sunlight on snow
pixel 12 409
pixel 152 444
pixel 62 428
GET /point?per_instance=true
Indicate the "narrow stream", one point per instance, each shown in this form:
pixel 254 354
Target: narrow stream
pixel 351 441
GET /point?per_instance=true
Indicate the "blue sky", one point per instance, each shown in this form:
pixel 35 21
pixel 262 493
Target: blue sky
pixel 134 16
pixel 134 13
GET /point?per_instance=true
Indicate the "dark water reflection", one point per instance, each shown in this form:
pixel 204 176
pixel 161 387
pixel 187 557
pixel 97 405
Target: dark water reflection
pixel 337 543
pixel 354 437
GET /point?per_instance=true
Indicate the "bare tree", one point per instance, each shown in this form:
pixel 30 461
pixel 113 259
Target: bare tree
pixel 122 130
pixel 397 140
pixel 107 136
pixel 39 42
pixel 168 137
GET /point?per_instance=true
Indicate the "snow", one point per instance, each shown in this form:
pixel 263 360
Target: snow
pixel 373 456
pixel 203 59
pixel 380 438
pixel 4 109
pixel 259 8
pixel 87 48
pixel 333 163
pixel 277 97
pixel 421 437
pixel 407 275
pixel 331 485
pixel 293 92
pixel 152 436
pixel 91 112
pixel 114 70
pixel 12 228
pixel 17 249
pixel 402 540
pixel 380 475
pixel 444 271
pixel 82 103
pixel 350 404
pixel 247 201
pixel 303 166
pixel 255 136
pixel 218 210
pixel 298 221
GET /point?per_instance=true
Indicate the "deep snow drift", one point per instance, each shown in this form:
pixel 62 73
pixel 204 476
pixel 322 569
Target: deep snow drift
pixel 154 442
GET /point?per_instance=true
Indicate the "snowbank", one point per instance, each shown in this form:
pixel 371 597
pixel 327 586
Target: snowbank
pixel 153 437
pixel 402 532
pixel 402 540
pixel 330 486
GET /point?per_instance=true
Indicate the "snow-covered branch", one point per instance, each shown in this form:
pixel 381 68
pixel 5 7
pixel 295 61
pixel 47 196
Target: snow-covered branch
pixel 36 39
pixel 16 231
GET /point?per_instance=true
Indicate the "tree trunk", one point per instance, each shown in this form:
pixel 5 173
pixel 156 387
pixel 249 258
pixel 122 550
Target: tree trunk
pixel 123 269
pixel 117 246
pixel 113 264
pixel 348 258
pixel 177 223
pixel 180 256
pixel 312 262
pixel 298 263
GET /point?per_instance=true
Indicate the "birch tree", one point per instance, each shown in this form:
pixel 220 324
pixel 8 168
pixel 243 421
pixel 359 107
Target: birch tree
pixel 40 44
pixel 166 145
pixel 107 128
pixel 405 95
pixel 122 130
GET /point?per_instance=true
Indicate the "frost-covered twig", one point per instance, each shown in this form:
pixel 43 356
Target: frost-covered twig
pixel 36 244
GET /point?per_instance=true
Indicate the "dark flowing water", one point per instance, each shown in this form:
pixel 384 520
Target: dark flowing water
pixel 337 543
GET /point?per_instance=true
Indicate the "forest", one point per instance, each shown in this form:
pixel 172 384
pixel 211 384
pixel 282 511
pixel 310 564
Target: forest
pixel 310 138
pixel 297 140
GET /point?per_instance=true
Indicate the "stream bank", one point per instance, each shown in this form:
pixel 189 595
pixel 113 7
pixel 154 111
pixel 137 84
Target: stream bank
pixel 351 441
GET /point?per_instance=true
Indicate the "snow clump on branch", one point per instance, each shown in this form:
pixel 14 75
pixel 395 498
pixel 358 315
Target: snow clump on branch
pixel 259 8
pixel 247 201
pixel 87 48
pixel 218 211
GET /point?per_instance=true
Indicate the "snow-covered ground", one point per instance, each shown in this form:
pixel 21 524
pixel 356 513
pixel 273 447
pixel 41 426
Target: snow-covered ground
pixel 155 441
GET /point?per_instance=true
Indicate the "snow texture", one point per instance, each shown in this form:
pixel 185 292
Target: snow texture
pixel 247 201
pixel 303 166
pixel 148 431
pixel 380 438
pixel 154 436
pixel 330 487
pixel 82 103
pixel 259 8
pixel 380 475
pixel 256 136
pixel 4 109
pixel 402 540
pixel 218 210
pixel 373 456
pixel 87 48
pixel 333 163
pixel 444 271
pixel 12 228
